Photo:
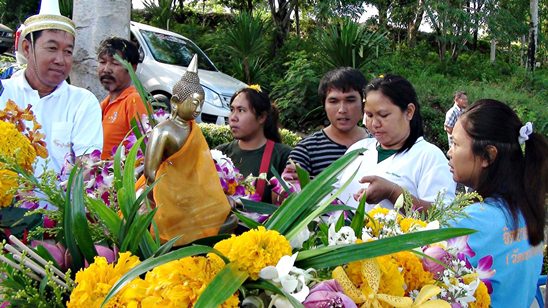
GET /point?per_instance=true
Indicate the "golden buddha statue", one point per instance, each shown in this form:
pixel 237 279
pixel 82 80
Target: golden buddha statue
pixel 187 193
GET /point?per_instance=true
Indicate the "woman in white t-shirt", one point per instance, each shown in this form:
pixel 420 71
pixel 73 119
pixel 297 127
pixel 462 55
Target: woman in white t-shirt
pixel 397 158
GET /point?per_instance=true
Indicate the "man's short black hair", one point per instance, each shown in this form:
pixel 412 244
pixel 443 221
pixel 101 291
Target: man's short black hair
pixel 342 78
pixel 118 45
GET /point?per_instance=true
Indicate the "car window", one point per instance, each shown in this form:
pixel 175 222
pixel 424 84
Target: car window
pixel 174 50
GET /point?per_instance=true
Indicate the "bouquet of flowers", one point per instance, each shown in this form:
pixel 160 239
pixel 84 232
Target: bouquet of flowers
pixel 234 184
pixel 108 254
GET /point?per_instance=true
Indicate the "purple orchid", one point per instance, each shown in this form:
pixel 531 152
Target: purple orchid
pixel 485 271
pixel 460 244
pixel 326 294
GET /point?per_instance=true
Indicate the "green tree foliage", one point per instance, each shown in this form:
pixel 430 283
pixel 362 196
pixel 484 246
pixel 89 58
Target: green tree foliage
pixel 247 46
pixel 452 22
pixel 296 94
pixel 161 12
pixel 349 44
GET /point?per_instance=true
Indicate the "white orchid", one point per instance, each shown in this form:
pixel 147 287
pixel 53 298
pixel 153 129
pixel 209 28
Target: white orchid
pixel 293 280
pixel 345 235
pixel 297 241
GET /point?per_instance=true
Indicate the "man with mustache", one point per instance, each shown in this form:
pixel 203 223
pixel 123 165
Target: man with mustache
pixel 70 116
pixel 123 102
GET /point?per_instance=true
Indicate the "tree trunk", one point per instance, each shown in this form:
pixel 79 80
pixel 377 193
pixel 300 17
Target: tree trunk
pixel 493 51
pixel 281 11
pixel 95 21
pixel 297 20
pixel 533 35
pixel 414 24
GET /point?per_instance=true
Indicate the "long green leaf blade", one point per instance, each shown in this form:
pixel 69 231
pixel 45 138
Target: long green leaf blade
pixel 78 219
pixel 267 285
pixel 225 283
pixel 286 215
pixel 106 215
pixel 327 256
pixel 151 263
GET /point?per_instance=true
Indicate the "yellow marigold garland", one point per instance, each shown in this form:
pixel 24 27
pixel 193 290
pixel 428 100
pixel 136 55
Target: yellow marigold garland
pixel 175 284
pixel 94 282
pixel 413 272
pixel 8 184
pixel 16 148
pixel 255 249
pixel 407 224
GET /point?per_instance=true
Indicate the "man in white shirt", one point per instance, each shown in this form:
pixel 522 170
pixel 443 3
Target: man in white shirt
pixel 70 116
pixel 461 102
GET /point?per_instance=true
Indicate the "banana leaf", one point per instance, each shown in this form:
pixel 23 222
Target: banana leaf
pixel 225 283
pixel 327 256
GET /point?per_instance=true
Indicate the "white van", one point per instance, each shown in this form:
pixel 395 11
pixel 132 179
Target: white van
pixel 165 56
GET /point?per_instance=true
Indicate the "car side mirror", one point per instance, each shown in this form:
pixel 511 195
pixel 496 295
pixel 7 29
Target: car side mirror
pixel 141 55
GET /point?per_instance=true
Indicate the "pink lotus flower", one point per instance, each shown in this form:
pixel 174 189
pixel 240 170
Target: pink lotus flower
pixel 59 253
pixel 440 255
pixel 328 293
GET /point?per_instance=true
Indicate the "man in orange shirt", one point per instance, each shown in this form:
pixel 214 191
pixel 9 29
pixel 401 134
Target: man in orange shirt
pixel 123 102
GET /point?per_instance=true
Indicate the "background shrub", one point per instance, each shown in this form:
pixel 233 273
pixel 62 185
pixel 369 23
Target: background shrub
pixel 218 134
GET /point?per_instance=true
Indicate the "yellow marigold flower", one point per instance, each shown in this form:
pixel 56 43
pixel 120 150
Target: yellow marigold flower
pixel 94 282
pixel 482 297
pixel 409 224
pixel 413 273
pixel 8 186
pixel 175 284
pixel 255 249
pixel 15 146
pixel 392 281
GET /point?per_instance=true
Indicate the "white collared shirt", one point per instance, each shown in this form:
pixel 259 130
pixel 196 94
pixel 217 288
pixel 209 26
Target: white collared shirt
pixel 422 170
pixel 70 117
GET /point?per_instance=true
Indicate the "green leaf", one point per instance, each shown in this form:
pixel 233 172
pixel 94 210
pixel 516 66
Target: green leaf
pixel 268 286
pixel 145 96
pixel 303 175
pixel 78 218
pixel 117 170
pixel 327 256
pixel 340 222
pixel 280 180
pixel 248 222
pixel 310 196
pixel 336 208
pixel 357 221
pixel 68 226
pixel 222 287
pixel 167 246
pixel 302 222
pixel 105 214
pixel 258 207
pixel 153 262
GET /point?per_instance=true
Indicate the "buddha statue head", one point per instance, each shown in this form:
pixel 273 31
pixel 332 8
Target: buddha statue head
pixel 188 94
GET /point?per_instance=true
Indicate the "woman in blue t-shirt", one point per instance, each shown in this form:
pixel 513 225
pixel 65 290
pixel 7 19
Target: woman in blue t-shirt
pixel 505 162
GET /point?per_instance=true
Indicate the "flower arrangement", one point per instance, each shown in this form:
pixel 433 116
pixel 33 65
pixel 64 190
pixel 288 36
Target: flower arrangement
pixel 294 258
pixel 19 147
pixel 233 182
